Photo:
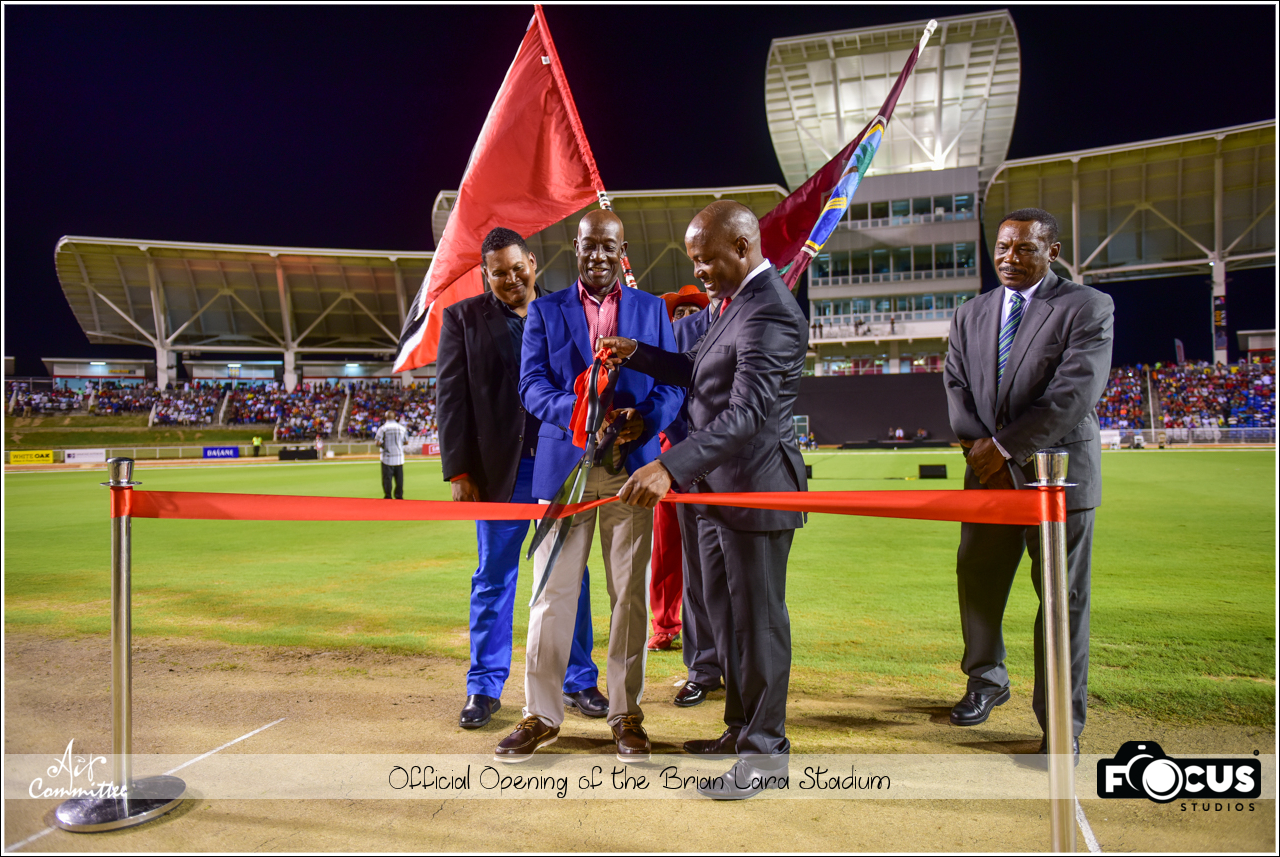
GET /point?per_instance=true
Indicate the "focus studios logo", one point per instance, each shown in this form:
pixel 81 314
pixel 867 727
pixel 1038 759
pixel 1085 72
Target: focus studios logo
pixel 1141 769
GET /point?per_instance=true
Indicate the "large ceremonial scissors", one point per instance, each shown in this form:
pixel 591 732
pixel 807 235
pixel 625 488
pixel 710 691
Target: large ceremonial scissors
pixel 575 485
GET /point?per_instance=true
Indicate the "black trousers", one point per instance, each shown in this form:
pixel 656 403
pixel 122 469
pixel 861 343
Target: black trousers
pixel 986 565
pixel 744 585
pixel 699 646
pixel 389 472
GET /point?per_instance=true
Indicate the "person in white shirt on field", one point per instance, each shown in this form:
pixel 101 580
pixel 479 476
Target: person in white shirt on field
pixel 390 439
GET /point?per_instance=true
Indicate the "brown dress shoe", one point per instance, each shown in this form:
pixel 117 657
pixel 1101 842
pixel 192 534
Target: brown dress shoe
pixel 529 735
pixel 725 745
pixel 633 742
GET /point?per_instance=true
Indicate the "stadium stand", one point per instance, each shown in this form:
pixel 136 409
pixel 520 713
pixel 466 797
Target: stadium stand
pixel 112 398
pixel 310 411
pixel 197 405
pixel 1198 395
pixel 255 403
pixel 25 402
pixel 416 405
pixel 1124 402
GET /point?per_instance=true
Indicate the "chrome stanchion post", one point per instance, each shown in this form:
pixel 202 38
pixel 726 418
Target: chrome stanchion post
pixel 127 801
pixel 1051 473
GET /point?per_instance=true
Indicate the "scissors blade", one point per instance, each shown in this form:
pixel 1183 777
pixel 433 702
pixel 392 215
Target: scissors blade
pixel 562 534
pixel 595 416
pixel 576 480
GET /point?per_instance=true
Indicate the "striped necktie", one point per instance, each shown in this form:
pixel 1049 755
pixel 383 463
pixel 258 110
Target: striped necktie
pixel 1007 332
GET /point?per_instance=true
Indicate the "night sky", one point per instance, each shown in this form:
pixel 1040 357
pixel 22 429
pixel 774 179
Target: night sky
pixel 337 126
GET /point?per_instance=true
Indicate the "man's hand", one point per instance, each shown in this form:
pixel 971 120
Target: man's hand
pixel 631 427
pixel 1001 479
pixel 989 464
pixel 646 486
pixel 465 490
pixel 622 349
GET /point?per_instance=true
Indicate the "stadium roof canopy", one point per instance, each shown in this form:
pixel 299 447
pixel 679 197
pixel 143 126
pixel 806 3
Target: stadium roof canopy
pixel 957 109
pixel 654 222
pixel 1176 205
pixel 177 296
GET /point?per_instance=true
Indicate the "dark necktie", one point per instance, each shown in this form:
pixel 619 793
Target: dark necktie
pixel 1007 332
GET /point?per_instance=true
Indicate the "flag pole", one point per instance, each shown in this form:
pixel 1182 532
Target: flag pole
pixel 579 134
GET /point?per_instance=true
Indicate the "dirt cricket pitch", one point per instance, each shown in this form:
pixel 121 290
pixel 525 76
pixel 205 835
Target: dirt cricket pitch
pixel 193 696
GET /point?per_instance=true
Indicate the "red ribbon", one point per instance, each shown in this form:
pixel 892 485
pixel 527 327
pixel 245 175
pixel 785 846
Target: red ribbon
pixel 1017 508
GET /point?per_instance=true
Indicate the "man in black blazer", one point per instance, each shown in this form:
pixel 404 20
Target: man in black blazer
pixel 743 377
pixel 1026 365
pixel 487 446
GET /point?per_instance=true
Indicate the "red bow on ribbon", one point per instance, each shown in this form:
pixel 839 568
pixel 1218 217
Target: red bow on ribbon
pixel 578 422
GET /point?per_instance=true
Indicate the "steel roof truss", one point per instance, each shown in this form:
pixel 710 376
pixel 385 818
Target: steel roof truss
pixel 150 339
pixel 376 321
pixel 235 297
pixel 1249 228
pixel 174 336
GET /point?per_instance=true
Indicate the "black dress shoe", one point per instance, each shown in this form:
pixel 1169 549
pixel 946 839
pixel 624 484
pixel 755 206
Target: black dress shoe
pixel 478 710
pixel 725 745
pixel 589 701
pixel 1039 760
pixel 692 694
pixel 976 706
pixel 741 782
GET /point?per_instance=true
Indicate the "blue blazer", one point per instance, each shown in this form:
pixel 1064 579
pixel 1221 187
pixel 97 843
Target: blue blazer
pixel 556 352
pixel 688 331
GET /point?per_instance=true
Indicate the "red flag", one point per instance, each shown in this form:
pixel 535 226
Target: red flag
pixel 785 229
pixel 531 167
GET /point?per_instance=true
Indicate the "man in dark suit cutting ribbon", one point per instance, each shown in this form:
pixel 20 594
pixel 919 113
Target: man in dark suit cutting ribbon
pixel 743 377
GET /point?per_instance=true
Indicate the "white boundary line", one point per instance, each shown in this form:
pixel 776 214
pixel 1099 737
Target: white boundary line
pixel 228 744
pixel 33 837
pixel 1089 839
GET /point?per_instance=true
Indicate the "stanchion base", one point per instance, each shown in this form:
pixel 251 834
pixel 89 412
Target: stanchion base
pixel 148 798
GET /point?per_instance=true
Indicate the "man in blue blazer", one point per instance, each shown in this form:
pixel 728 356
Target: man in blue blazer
pixel 559 342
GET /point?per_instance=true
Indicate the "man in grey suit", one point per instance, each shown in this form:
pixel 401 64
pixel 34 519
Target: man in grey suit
pixel 743 376
pixel 1026 365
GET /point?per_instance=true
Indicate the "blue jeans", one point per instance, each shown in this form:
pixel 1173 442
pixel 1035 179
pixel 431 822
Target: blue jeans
pixel 493 598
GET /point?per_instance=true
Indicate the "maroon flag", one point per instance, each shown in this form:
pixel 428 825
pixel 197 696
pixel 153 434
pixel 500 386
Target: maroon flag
pixel 791 234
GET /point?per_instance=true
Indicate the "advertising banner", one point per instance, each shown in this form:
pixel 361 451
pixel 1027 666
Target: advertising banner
pixel 31 456
pixel 222 452
pixel 431 448
pixel 84 456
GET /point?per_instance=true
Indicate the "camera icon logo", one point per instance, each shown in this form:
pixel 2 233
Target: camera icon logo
pixel 1142 769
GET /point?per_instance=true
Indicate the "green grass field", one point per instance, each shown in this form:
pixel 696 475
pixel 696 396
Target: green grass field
pixel 1183 622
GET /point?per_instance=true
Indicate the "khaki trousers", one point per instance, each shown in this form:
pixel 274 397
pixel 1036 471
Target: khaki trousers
pixel 626 534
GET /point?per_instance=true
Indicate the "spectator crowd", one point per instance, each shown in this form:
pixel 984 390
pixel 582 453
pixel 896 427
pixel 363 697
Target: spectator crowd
pixel 1124 402
pixel 196 404
pixel 370 401
pixel 27 402
pixel 1200 395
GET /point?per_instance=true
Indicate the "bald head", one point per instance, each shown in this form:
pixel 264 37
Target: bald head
pixel 600 246
pixel 723 242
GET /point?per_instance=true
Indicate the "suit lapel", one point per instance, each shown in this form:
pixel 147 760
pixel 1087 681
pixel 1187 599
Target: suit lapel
pixel 987 325
pixel 500 333
pixel 717 325
pixel 1033 319
pixel 576 318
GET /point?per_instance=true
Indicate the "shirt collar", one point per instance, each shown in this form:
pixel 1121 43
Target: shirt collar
pixel 1027 294
pixel 763 266
pixel 587 296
